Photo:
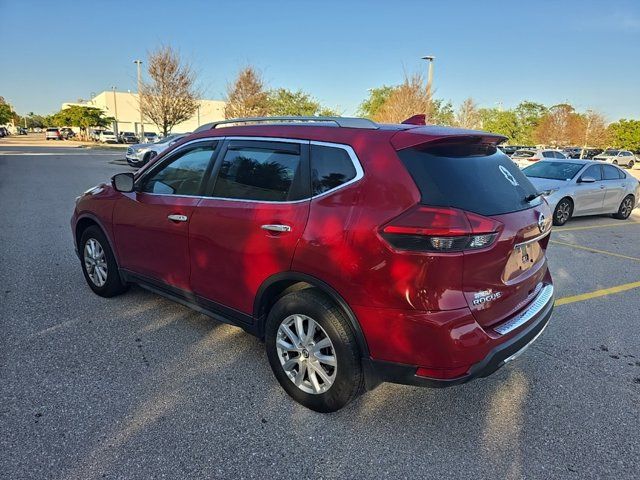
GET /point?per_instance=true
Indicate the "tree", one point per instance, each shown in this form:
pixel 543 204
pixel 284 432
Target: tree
pixel 6 112
pixel 80 116
pixel 592 128
pixel 625 134
pixel 502 122
pixel 529 115
pixel 377 97
pixel 442 113
pixel 170 97
pixel 560 126
pixel 409 98
pixel 246 96
pixel 286 102
pixel 468 115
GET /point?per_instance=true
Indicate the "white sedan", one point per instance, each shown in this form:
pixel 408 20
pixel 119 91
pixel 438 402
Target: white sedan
pixel 528 156
pixel 584 187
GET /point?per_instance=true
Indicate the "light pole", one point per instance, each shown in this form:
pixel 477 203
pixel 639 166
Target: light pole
pixel 430 59
pixel 198 113
pixel 115 110
pixel 139 64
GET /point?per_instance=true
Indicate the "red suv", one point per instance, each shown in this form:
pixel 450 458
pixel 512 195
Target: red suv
pixel 359 252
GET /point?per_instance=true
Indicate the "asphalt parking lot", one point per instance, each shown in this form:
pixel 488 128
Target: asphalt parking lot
pixel 139 387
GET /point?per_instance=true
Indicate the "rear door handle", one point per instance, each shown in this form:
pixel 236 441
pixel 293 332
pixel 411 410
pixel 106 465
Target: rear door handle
pixel 178 218
pixel 276 228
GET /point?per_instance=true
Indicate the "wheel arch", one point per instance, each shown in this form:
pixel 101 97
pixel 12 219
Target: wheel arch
pixel 280 284
pixel 85 221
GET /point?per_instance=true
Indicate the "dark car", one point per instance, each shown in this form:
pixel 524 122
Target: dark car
pixel 128 137
pixel 359 252
pixel 67 133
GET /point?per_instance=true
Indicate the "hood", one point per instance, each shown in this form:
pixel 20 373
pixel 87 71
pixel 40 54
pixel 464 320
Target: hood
pixel 543 184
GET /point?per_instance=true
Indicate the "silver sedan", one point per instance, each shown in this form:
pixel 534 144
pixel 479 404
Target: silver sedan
pixel 584 187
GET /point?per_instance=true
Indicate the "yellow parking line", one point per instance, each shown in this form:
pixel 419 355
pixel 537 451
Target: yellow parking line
pixel 594 250
pixel 597 293
pixel 605 225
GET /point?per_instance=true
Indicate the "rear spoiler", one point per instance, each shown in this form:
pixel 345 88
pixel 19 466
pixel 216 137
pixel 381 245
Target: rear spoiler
pixel 413 137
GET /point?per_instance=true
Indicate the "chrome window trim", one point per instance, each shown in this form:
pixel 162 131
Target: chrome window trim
pixel 539 303
pixel 352 155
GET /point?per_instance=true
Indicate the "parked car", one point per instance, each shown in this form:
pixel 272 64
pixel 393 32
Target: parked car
pixel 281 228
pixel 107 136
pixel 572 152
pixel 53 134
pixel 140 154
pixel 128 137
pixel 150 137
pixel 4 132
pixel 67 133
pixel 617 157
pixel 575 188
pixel 526 157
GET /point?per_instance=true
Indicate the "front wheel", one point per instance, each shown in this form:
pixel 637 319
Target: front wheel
pixel 563 212
pixel 99 264
pixel 631 164
pixel 313 351
pixel 625 209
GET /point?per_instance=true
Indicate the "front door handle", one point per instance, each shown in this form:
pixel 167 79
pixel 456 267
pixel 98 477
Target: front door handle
pixel 276 228
pixel 178 218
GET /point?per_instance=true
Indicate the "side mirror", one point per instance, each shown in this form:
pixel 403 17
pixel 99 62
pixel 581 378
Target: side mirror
pixel 122 182
pixel 587 180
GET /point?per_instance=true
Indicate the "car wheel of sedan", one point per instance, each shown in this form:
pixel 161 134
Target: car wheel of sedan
pixel 99 264
pixel 626 207
pixel 313 351
pixel 631 164
pixel 563 212
pixel 615 162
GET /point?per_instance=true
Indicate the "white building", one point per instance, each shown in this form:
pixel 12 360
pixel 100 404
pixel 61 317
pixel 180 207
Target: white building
pixel 124 107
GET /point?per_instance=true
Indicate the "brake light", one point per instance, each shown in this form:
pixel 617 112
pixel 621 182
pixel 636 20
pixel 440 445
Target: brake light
pixel 440 229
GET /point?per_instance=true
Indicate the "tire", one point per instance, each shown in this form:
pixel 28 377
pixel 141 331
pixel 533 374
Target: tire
pixel 631 164
pixel 113 284
pixel 147 157
pixel 346 379
pixel 615 162
pixel 626 207
pixel 562 212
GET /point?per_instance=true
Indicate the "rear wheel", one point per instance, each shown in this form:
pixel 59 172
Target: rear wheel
pixel 631 164
pixel 99 264
pixel 625 208
pixel 563 212
pixel 615 162
pixel 313 351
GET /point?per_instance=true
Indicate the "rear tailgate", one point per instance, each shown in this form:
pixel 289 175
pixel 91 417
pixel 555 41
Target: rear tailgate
pixel 468 173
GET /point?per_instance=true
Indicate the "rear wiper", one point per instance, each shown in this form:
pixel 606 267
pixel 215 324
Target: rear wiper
pixel 533 196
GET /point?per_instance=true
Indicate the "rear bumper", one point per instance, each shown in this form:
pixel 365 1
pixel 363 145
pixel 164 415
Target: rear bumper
pixel 500 351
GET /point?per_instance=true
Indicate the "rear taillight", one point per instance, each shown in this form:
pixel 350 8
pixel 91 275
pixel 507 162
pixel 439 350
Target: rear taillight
pixel 440 229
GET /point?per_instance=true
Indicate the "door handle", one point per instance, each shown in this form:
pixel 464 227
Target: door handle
pixel 276 228
pixel 602 187
pixel 178 218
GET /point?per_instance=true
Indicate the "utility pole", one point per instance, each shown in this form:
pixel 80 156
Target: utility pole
pixel 139 64
pixel 115 109
pixel 430 59
pixel 198 114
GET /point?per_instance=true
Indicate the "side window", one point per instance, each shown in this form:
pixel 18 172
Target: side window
pixel 330 168
pixel 594 172
pixel 258 172
pixel 610 172
pixel 548 155
pixel 182 175
pixel 621 174
pixel 560 155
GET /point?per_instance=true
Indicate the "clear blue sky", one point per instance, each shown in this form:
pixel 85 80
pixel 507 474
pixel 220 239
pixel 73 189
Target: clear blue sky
pixel 581 51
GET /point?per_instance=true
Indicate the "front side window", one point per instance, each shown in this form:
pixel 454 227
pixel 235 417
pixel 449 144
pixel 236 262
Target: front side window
pixel 594 172
pixel 330 168
pixel 258 172
pixel 182 175
pixel 548 154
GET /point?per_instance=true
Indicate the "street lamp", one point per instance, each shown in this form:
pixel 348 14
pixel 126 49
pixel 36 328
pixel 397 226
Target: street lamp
pixel 139 64
pixel 430 59
pixel 115 109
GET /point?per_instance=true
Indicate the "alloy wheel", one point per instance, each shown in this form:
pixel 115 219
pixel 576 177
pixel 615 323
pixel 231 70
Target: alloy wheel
pixel 306 354
pixel 626 207
pixel 95 262
pixel 563 211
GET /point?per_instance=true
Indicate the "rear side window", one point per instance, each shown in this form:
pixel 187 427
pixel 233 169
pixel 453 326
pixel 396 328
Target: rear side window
pixel 548 154
pixel 610 173
pixel 472 177
pixel 330 168
pixel 257 172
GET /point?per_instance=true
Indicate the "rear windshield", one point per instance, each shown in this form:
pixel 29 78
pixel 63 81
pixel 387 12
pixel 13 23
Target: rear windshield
pixel 553 170
pixel 476 178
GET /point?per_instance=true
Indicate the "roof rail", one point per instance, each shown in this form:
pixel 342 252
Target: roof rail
pixel 345 122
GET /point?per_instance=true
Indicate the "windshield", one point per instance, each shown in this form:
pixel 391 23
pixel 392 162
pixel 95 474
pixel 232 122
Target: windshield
pixel 472 177
pixel 523 154
pixel 610 152
pixel 107 133
pixel 553 170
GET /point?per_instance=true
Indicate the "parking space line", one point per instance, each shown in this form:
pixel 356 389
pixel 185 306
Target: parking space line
pixel 605 225
pixel 597 293
pixel 594 250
